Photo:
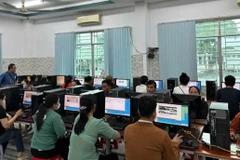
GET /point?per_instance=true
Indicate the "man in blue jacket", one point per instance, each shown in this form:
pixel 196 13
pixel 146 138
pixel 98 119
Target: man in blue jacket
pixel 9 77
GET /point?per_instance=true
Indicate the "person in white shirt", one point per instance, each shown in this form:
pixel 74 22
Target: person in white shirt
pixel 142 88
pixel 182 88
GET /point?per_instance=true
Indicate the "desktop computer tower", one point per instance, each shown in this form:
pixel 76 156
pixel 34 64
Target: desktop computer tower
pixel 118 92
pixel 219 125
pixel 37 99
pixel 171 83
pixel 211 90
pixel 163 96
pixel 136 82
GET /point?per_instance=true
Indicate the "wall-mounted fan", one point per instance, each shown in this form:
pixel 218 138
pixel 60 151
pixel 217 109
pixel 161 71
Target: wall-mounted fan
pixel 22 9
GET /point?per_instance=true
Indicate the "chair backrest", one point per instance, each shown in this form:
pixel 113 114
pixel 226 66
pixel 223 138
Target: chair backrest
pixel 58 157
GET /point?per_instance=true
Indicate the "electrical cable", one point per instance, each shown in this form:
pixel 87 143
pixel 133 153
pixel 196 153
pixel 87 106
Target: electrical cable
pixel 135 46
pixel 202 142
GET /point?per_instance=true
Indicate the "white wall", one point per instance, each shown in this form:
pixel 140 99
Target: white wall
pixel 23 39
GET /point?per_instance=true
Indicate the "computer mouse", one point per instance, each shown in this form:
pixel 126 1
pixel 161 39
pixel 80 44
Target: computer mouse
pixel 233 139
pixel 190 143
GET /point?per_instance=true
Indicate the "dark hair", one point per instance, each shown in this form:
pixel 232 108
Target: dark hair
pixel 10 66
pixel 143 79
pixel 196 88
pixel 33 77
pixel 184 79
pixel 26 81
pixel 88 79
pixel 77 82
pixel 68 80
pixel 230 80
pixel 2 96
pixel 147 105
pixel 44 80
pixel 87 101
pixel 107 81
pixel 50 100
pixel 151 82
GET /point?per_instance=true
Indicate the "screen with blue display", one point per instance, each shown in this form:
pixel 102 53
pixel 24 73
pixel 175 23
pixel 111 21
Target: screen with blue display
pixel 172 114
pixel 72 103
pixel 27 97
pixel 117 106
pixel 195 83
pixel 97 82
pixel 123 83
pixel 159 84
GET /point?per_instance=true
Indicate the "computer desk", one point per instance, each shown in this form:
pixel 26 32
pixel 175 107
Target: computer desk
pixel 203 151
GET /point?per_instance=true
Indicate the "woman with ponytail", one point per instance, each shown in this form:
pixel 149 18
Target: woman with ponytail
pixel 48 127
pixel 86 131
pixel 68 82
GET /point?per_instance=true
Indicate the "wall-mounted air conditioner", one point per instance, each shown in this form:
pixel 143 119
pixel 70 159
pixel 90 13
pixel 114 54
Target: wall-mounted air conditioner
pixel 238 3
pixel 89 20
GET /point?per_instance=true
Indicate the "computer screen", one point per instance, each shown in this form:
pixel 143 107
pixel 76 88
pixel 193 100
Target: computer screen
pixel 195 83
pixel 98 82
pixel 236 86
pixel 123 83
pixel 117 106
pixel 27 97
pixel 81 80
pixel 60 80
pixel 72 103
pixel 159 84
pixel 172 114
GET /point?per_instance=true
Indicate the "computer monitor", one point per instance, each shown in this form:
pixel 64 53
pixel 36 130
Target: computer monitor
pixel 173 114
pixel 159 84
pixel 72 103
pixel 130 94
pixel 236 86
pixel 12 97
pixel 195 83
pixel 123 83
pixel 117 106
pixel 97 82
pixel 37 99
pixel 27 97
pixel 60 80
pixel 42 88
pixel 81 80
pixel 75 89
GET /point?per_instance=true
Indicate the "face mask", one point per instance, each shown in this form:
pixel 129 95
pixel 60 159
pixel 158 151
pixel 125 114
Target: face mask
pixel 59 105
pixel 24 87
pixel 4 104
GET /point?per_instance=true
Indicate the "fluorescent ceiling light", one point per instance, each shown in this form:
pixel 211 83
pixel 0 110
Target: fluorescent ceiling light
pixel 79 4
pixel 30 3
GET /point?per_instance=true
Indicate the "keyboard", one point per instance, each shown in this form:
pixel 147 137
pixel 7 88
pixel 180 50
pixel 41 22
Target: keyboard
pixel 118 125
pixel 68 119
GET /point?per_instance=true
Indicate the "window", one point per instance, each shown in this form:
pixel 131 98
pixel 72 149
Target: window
pixel 89 54
pixel 218 49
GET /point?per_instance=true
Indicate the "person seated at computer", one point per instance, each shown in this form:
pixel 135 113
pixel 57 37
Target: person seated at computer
pixel 106 87
pixel 48 127
pixel 230 95
pixel 76 83
pixel 113 85
pixel 143 140
pixel 9 77
pixel 34 80
pixel 87 130
pixel 235 126
pixel 151 86
pixel 88 83
pixel 202 108
pixel 142 88
pixel 182 88
pixel 26 85
pixel 68 82
pixel 7 133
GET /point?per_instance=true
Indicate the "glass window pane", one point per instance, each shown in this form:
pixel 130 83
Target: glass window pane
pixel 99 60
pixel 230 27
pixel 231 56
pixel 84 38
pixel 207 59
pixel 206 29
pixel 98 37
pixel 83 61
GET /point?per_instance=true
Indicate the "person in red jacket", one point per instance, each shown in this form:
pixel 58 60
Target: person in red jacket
pixel 68 82
pixel 234 128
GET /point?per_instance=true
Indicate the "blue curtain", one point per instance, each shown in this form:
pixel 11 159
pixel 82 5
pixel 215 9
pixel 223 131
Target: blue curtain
pixel 1 65
pixel 117 48
pixel 177 50
pixel 65 49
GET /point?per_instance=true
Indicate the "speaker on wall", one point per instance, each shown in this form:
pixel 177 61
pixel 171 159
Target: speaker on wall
pixel 211 89
pixel 171 83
